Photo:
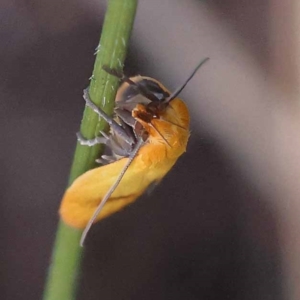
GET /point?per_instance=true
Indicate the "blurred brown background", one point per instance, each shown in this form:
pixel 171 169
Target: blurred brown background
pixel 224 223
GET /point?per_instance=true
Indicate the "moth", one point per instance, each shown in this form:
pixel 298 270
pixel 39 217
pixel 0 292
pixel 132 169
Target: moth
pixel 148 133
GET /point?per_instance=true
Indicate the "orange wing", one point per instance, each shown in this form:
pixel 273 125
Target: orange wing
pixel 84 195
pixel 151 164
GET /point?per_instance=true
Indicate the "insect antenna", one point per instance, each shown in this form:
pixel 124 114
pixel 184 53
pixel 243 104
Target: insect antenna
pixel 110 191
pixel 182 127
pixel 160 134
pixel 178 90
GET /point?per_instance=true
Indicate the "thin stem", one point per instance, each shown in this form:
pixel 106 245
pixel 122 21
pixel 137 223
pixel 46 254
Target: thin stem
pixel 111 52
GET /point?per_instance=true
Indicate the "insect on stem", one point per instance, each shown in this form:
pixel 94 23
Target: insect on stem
pixel 110 191
pixel 145 117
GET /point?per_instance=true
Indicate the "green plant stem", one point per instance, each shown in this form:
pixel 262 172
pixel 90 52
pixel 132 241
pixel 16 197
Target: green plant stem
pixel 67 254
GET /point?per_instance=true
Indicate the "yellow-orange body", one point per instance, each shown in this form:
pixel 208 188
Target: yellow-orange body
pixel 167 141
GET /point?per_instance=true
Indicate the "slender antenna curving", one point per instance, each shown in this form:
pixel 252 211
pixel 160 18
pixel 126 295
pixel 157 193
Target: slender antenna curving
pixel 152 125
pixel 178 90
pixel 110 191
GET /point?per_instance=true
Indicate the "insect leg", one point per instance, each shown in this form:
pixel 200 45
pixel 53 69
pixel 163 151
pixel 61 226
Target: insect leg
pixel 111 122
pixel 92 142
pixel 105 159
pixel 109 142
